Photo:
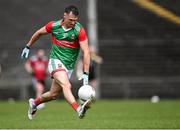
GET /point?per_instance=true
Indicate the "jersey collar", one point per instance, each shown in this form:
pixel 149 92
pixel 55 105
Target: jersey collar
pixel 65 29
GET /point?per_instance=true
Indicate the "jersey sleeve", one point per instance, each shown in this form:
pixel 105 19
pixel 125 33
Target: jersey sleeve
pixel 82 35
pixel 49 26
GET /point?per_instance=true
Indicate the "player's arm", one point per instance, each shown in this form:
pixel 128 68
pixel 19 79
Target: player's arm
pixel 28 67
pixel 86 61
pixel 37 35
pixel 42 31
pixel 86 55
pixel 83 41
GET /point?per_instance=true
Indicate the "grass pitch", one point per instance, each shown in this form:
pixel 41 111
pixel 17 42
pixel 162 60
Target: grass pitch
pixel 104 114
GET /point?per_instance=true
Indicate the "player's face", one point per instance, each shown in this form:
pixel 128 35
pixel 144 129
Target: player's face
pixel 40 53
pixel 70 20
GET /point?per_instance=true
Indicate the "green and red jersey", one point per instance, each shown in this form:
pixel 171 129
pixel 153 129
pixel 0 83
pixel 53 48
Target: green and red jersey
pixel 65 42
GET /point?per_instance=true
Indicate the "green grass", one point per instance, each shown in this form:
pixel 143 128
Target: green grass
pixel 109 114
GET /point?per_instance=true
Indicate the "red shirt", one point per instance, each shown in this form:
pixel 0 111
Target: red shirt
pixel 39 66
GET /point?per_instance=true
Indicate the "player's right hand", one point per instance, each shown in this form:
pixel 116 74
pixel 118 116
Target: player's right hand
pixel 25 52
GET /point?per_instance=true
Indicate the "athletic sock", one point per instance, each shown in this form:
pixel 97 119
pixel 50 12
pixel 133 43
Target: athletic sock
pixel 37 101
pixel 74 105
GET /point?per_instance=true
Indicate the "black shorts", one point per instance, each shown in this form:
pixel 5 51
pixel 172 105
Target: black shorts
pixel 92 72
pixel 39 81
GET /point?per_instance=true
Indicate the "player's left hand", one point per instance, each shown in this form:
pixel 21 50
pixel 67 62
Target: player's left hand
pixel 85 78
pixel 25 52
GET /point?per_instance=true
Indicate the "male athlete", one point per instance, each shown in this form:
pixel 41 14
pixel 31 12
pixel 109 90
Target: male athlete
pixel 68 37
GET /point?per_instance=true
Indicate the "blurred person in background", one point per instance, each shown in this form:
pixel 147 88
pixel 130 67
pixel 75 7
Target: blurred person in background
pixel 68 37
pixel 36 65
pixel 95 61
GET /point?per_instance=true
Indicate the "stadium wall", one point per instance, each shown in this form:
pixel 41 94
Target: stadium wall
pixel 140 49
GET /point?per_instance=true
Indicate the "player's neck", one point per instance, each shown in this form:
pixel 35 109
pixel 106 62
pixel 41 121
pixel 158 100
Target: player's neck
pixel 65 26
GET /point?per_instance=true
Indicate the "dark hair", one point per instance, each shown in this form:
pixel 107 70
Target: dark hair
pixel 72 9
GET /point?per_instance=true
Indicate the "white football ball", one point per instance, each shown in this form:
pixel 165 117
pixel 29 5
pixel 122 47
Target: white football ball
pixel 86 92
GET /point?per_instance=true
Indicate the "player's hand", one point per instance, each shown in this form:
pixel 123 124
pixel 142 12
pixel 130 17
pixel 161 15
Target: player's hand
pixel 85 78
pixel 25 52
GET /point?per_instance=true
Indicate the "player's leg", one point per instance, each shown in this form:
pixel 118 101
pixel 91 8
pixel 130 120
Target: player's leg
pixel 52 94
pixel 32 109
pixel 62 79
pixel 39 88
pixel 60 73
pixel 83 108
pixel 48 96
pixel 40 85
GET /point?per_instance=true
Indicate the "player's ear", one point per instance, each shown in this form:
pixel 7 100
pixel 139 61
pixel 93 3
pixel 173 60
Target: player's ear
pixel 65 15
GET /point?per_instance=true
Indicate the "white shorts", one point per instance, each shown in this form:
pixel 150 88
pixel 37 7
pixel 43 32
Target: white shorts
pixel 56 65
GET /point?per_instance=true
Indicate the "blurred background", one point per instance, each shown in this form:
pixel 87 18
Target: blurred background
pixel 137 39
